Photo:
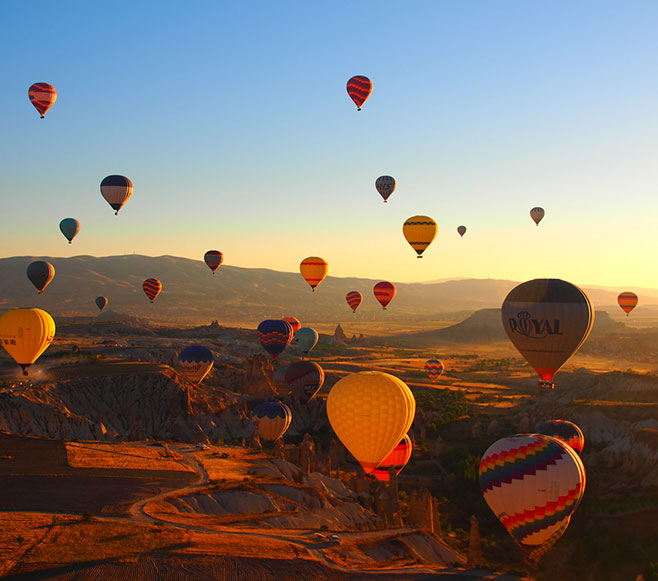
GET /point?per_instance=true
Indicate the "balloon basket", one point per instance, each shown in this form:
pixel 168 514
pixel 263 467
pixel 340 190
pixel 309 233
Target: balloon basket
pixel 546 384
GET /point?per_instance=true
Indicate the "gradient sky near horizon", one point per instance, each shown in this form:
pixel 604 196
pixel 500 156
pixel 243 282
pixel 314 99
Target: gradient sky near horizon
pixel 233 122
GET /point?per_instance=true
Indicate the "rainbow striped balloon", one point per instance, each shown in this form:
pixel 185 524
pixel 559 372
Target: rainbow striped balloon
pixel 359 89
pixel 354 299
pixel 563 430
pixel 434 368
pixel 533 484
pixel 274 335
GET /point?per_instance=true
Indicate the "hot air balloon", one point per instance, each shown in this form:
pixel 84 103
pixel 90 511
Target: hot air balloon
pixel 397 459
pixel 385 186
pixel 627 301
pixel 70 228
pixel 101 302
pixel 42 96
pixel 384 292
pixel 305 379
pixel 40 274
pixel 354 299
pixel 295 323
pixel 547 320
pixel 461 230
pixel 314 269
pixel 359 89
pixel 274 335
pixel 434 368
pixel 196 361
pixel 533 484
pixel 271 419
pixel 117 191
pixel 152 288
pixel 563 430
pixel 419 231
pixel 26 334
pixel 305 339
pixel 537 214
pixel 213 259
pixel 279 378
pixel 370 412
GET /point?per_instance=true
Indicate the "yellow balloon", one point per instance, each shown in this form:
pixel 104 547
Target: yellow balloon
pixel 370 412
pixel 26 334
pixel 420 231
pixel 314 269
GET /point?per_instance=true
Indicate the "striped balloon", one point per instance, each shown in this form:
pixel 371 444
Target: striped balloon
pixel 420 231
pixel 627 301
pixel 461 230
pixel 385 186
pixel 533 484
pixel 537 214
pixel 314 269
pixel 384 292
pixel 271 419
pixel 42 96
pixel 295 323
pixel 213 259
pixel 563 430
pixel 359 89
pixel 305 379
pixel 152 288
pixel 274 335
pixel 117 191
pixel 397 459
pixel 354 299
pixel 434 368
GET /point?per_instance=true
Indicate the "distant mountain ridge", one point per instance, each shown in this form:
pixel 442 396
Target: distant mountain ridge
pixel 192 294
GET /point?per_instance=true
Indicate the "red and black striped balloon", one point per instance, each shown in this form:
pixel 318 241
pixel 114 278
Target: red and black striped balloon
pixel 213 259
pixel 152 288
pixel 354 299
pixel 42 96
pixel 359 89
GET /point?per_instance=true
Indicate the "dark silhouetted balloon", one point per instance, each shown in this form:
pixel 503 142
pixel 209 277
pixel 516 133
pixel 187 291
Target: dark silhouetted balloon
pixel 305 379
pixel 152 288
pixel 274 335
pixel 117 191
pixel 385 185
pixel 70 228
pixel 214 259
pixel 101 302
pixel 40 274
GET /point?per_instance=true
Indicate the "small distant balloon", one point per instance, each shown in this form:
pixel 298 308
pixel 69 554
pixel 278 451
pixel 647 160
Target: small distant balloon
pixel 295 323
pixel 385 185
pixel 305 379
pixel 213 259
pixel 537 214
pixel 434 369
pixel 384 292
pixel 117 191
pixel 196 361
pixel 305 339
pixel 627 301
pixel 314 269
pixel 461 230
pixel 359 89
pixel 42 96
pixel 70 228
pixel 271 419
pixel 354 299
pixel 40 273
pixel 420 231
pixel 101 302
pixel 152 288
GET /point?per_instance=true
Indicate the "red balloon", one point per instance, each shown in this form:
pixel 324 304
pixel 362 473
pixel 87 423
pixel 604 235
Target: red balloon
pixel 384 292
pixel 359 89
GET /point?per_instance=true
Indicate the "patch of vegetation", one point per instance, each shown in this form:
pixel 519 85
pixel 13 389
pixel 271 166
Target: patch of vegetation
pixel 504 364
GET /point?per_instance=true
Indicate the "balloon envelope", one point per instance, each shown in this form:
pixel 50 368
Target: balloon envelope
pixel 384 292
pixel 370 412
pixel 274 335
pixel 295 323
pixel 70 228
pixel 26 334
pixel 461 230
pixel 359 89
pixel 420 231
pixel 152 288
pixel 533 484
pixel 397 460
pixel 116 190
pixel 305 339
pixel 213 259
pixel 354 299
pixel 385 185
pixel 547 320
pixel 627 301
pixel 314 269
pixel 537 214
pixel 42 96
pixel 101 302
pixel 565 431
pixel 305 379
pixel 40 273
pixel 271 419
pixel 434 368
pixel 195 361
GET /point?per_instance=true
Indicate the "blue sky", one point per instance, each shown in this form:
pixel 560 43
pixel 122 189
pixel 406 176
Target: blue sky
pixel 233 122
